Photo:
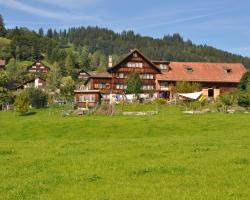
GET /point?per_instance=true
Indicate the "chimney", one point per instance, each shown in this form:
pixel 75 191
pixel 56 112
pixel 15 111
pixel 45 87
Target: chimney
pixel 110 61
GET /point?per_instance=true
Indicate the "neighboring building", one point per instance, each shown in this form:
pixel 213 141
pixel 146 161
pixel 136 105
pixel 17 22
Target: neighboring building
pixel 214 78
pixel 87 98
pixel 2 64
pixel 83 75
pixel 160 76
pixel 38 67
pixel 35 82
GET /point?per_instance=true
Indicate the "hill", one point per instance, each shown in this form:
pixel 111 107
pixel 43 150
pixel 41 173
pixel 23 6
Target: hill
pixel 167 156
pixel 88 48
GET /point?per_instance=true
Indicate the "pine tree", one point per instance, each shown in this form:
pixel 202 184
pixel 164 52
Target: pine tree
pixel 41 32
pixel 69 65
pixel 54 78
pixel 50 33
pixel 2 27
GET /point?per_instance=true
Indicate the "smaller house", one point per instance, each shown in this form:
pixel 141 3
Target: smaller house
pixel 83 75
pixel 87 98
pixel 2 64
pixel 35 82
pixel 38 67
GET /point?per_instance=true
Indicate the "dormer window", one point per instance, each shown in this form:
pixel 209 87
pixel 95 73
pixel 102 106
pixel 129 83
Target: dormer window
pixel 189 69
pixel 163 66
pixel 228 70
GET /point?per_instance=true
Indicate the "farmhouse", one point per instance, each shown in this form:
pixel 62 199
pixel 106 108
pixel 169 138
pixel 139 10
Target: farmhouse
pixel 35 82
pixel 2 64
pixel 38 67
pixel 161 76
pixel 214 78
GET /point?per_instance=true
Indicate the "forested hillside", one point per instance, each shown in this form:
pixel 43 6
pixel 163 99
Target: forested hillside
pixel 88 48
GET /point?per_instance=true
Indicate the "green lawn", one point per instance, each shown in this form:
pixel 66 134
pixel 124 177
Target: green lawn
pixel 168 156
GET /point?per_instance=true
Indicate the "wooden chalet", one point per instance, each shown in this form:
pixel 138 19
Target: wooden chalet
pixel 38 67
pixel 35 82
pixel 2 64
pixel 160 76
pixel 87 98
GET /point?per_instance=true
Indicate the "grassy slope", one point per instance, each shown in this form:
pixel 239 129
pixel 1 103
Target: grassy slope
pixel 169 156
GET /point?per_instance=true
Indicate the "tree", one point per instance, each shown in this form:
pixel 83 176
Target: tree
pixel 3 87
pixel 69 65
pixel 54 78
pixel 134 84
pixel 37 97
pixel 50 33
pixel 245 82
pixel 22 102
pixel 2 27
pixel 35 52
pixel 84 59
pixel 41 32
pixel 67 87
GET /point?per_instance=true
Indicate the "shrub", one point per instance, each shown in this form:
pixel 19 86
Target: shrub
pixel 22 102
pixel 245 82
pixel 228 99
pixel 244 99
pixel 186 87
pixel 160 101
pixel 37 97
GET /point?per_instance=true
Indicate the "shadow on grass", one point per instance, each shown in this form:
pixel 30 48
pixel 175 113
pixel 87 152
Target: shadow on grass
pixel 28 114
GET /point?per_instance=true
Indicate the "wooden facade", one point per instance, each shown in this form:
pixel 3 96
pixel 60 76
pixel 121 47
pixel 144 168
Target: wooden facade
pixel 134 62
pixel 87 98
pixel 38 67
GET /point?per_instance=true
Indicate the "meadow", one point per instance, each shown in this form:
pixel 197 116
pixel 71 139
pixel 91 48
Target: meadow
pixel 168 156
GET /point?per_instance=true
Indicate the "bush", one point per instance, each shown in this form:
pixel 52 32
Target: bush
pixel 161 101
pixel 244 99
pixel 228 99
pixel 37 97
pixel 186 87
pixel 22 102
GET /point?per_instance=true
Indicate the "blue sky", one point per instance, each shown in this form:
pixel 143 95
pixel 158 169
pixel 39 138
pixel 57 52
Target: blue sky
pixel 224 24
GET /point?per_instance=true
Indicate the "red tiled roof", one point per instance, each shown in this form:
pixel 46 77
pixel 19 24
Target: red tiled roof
pixel 2 62
pixel 203 72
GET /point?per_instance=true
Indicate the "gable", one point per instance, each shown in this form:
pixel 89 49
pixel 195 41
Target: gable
pixel 135 61
pixel 38 66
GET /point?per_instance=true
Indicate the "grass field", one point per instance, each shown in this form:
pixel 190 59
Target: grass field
pixel 168 156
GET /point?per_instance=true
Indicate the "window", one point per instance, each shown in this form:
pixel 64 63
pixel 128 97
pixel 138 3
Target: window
pixel 189 69
pixel 147 87
pixel 120 87
pixel 228 70
pixel 147 76
pixel 164 84
pixel 121 75
pixel 89 97
pixel 135 65
pixel 100 85
pixel 163 66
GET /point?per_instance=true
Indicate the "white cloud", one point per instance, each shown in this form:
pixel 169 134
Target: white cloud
pixel 178 20
pixel 17 5
pixel 68 3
